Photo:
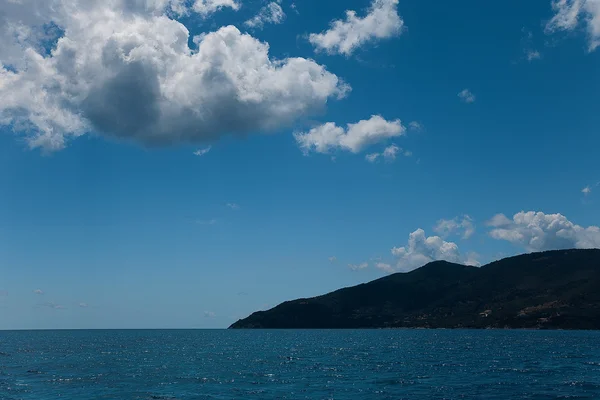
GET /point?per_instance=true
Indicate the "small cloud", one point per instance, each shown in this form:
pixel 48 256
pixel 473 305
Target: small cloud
pixel 466 96
pixel 422 249
pixel 233 206
pixel 346 36
pixel 201 152
pixel 464 224
pixel 473 259
pixel 372 157
pixel 242 294
pixel 272 13
pixel 83 305
pixel 533 55
pixel 207 222
pixel 390 152
pixel 589 188
pixel 498 220
pixel 3 293
pixel 209 314
pixel 332 259
pixel 527 44
pixel 355 137
pixel 357 267
pixel 415 126
pixel 387 268
pixel 38 291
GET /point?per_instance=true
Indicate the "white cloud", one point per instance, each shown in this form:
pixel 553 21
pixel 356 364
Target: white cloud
pixel 415 126
pixel 123 68
pixel 272 13
pixel 569 13
pixel 344 37
pixel 389 154
pixel 209 314
pixel 421 250
pixel 472 259
pixel 38 291
pixel 83 305
pixel 332 259
pixel 387 268
pixel 498 220
pixel 207 7
pixel 233 206
pixel 357 267
pixel 536 231
pixel 533 55
pixel 462 224
pixel 201 152
pixel 527 44
pixel 466 96
pixel 372 157
pixel 589 188
pixel 356 137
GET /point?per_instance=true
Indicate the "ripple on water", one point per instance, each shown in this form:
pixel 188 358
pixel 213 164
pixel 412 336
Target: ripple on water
pixel 381 364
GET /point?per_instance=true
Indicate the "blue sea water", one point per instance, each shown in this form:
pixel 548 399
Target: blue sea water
pixel 353 364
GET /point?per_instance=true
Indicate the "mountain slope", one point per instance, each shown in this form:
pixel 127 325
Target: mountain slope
pixel 554 289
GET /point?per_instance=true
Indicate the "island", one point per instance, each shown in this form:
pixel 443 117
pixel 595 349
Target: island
pixel 547 290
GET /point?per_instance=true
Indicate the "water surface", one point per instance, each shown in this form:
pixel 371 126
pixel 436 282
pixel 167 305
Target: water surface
pixel 353 364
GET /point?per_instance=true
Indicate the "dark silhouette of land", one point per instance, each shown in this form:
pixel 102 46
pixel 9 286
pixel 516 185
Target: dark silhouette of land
pixel 549 290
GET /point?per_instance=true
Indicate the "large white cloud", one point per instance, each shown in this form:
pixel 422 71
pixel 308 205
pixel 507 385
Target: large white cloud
pixel 124 68
pixel 356 137
pixel 344 37
pixel 569 14
pixel 536 231
pixel 422 249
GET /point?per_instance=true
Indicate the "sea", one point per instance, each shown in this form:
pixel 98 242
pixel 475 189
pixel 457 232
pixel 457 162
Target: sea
pixel 299 364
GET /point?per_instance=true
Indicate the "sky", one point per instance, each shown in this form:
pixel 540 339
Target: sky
pixel 182 164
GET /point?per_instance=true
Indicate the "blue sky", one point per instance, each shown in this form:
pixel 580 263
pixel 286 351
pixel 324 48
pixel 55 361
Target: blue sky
pixel 109 220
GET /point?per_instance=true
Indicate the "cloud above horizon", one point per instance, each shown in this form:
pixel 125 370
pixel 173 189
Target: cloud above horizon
pixel 422 249
pixel 358 267
pixel 272 13
pixel 329 137
pixel 536 231
pixel 346 36
pixel 569 14
pixel 462 225
pixel 389 154
pixel 466 96
pixel 201 152
pixel 205 7
pixel 136 78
